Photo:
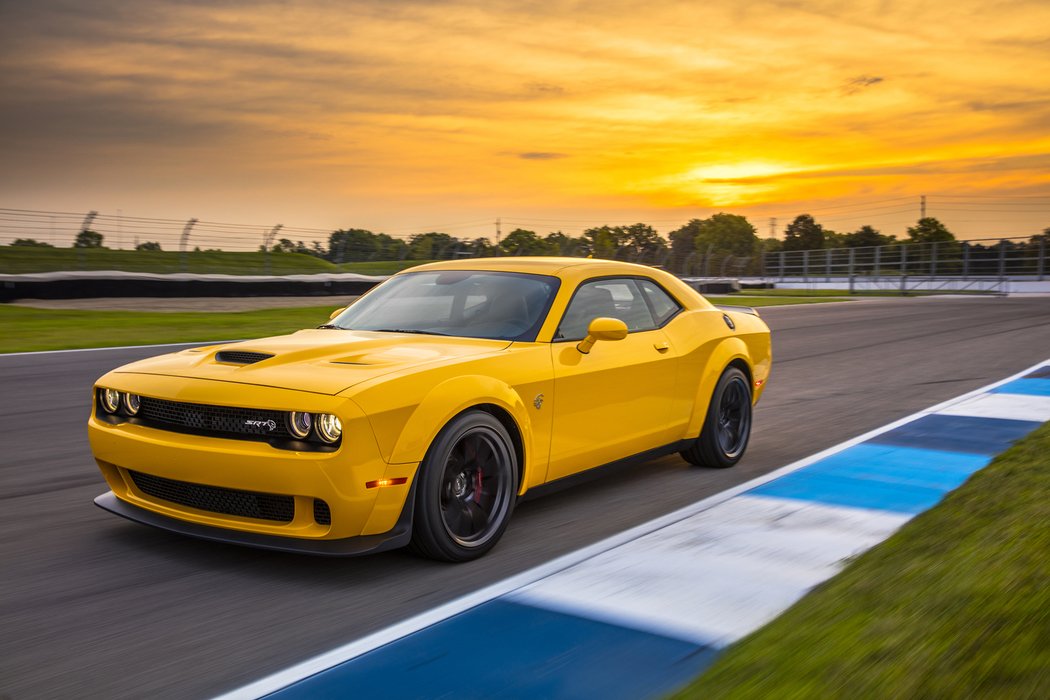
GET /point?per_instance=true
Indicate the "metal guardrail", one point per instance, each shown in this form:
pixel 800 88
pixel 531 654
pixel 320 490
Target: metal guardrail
pixel 983 264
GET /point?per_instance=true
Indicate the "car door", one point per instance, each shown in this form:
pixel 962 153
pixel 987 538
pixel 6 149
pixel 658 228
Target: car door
pixel 613 402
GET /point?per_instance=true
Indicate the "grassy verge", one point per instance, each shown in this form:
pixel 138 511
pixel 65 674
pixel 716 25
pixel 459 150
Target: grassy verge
pixel 28 329
pixel 956 604
pixel 19 259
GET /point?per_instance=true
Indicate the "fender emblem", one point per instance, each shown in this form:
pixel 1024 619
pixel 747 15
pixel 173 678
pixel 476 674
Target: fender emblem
pixel 268 424
pixel 538 401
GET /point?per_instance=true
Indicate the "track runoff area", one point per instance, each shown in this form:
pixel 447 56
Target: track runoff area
pixel 642 613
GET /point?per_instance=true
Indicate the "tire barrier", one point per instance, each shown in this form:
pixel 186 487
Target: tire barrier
pixel 86 285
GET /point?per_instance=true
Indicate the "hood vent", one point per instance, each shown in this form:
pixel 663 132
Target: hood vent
pixel 240 357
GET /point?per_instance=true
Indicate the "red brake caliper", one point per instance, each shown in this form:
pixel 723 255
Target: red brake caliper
pixel 477 487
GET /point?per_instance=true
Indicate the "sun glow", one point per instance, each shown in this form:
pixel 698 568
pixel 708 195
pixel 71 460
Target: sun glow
pixel 367 114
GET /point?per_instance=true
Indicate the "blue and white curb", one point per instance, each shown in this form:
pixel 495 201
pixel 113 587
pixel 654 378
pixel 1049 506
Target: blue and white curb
pixel 642 613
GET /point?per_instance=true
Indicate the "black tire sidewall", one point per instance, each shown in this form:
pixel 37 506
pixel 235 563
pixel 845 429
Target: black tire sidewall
pixel 709 449
pixel 429 534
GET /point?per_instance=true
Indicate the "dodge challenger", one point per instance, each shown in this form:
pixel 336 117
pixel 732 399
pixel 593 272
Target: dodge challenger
pixel 419 414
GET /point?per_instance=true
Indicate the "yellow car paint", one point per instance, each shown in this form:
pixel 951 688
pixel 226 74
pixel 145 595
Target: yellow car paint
pixel 566 410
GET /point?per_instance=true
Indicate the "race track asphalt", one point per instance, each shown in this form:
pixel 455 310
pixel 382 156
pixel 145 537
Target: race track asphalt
pixel 94 606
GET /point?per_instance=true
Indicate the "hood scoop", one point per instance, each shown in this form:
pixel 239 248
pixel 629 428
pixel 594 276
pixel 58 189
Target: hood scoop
pixel 241 357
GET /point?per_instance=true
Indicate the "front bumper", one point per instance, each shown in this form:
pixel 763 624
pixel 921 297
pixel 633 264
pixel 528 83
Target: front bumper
pixel 399 536
pixel 126 451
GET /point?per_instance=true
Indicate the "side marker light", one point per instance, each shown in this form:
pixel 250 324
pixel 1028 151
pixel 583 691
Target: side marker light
pixel 379 483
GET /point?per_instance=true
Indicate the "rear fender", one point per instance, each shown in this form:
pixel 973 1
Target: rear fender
pixel 727 351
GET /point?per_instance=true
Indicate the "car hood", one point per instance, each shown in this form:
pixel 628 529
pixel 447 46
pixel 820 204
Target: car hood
pixel 323 361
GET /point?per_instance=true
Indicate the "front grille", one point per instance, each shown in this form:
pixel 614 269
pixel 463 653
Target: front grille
pixel 244 504
pixel 241 357
pixel 322 513
pixel 246 423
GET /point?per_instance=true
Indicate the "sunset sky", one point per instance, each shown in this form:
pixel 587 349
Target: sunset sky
pixel 407 116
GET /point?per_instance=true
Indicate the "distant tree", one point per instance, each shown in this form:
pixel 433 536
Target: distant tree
pixel 284 245
pixel 866 236
pixel 726 234
pixel 642 243
pixel 804 233
pixel 929 230
pixel 352 245
pixel 481 247
pixel 88 239
pixel 772 245
pixel 31 243
pixel 150 246
pixel 602 241
pixel 683 245
pixel 559 243
pixel 432 246
pixel 834 240
pixel 523 242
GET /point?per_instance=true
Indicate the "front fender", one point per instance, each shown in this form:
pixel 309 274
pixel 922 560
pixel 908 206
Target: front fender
pixel 449 399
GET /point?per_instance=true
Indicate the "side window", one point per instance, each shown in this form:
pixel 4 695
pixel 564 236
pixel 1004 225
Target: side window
pixel 661 303
pixel 614 298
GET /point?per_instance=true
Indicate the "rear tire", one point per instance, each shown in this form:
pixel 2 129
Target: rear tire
pixel 727 427
pixel 467 486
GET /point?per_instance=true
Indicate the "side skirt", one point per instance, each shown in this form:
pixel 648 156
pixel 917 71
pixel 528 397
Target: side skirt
pixel 605 469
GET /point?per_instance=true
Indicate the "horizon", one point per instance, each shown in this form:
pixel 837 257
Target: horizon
pixel 446 116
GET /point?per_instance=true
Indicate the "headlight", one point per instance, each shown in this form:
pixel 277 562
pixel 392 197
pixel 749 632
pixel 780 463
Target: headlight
pixel 132 403
pixel 299 424
pixel 329 427
pixel 110 400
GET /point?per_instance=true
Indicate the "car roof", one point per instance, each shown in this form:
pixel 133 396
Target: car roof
pixel 536 265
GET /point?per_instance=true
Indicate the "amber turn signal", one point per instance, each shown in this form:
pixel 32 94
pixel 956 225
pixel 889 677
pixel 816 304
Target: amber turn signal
pixel 378 483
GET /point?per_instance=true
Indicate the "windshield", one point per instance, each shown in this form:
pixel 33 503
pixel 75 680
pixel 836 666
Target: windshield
pixel 468 303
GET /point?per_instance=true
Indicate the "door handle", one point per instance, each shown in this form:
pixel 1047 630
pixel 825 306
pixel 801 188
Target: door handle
pixel 662 347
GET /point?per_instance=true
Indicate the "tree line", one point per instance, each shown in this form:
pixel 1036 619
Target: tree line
pixel 721 237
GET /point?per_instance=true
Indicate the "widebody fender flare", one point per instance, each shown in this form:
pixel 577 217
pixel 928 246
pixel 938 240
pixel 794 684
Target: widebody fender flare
pixel 727 351
pixel 452 397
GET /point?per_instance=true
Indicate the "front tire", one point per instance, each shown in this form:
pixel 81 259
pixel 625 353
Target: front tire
pixel 467 488
pixel 727 427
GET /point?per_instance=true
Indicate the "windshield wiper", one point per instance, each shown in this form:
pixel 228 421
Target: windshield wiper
pixel 405 330
pixel 330 325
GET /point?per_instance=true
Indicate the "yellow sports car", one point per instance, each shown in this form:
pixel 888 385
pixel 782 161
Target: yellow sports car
pixel 420 413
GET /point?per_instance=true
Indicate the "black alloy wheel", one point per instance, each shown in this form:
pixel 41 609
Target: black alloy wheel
pixel 468 485
pixel 727 427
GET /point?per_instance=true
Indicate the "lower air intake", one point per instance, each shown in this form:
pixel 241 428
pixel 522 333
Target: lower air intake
pixel 244 504
pixel 322 513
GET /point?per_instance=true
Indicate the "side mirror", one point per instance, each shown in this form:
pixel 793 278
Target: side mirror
pixel 335 313
pixel 602 328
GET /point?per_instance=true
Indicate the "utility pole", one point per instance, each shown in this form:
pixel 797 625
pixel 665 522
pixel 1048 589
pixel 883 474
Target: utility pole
pixel 772 227
pixel 922 207
pixel 498 232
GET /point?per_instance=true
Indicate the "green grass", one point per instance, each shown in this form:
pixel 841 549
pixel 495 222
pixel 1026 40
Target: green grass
pixel 28 329
pixel 956 604
pixel 19 259
pixel 53 329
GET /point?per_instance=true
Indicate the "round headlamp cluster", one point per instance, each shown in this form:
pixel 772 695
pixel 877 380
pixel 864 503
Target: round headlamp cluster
pixel 113 401
pixel 326 426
